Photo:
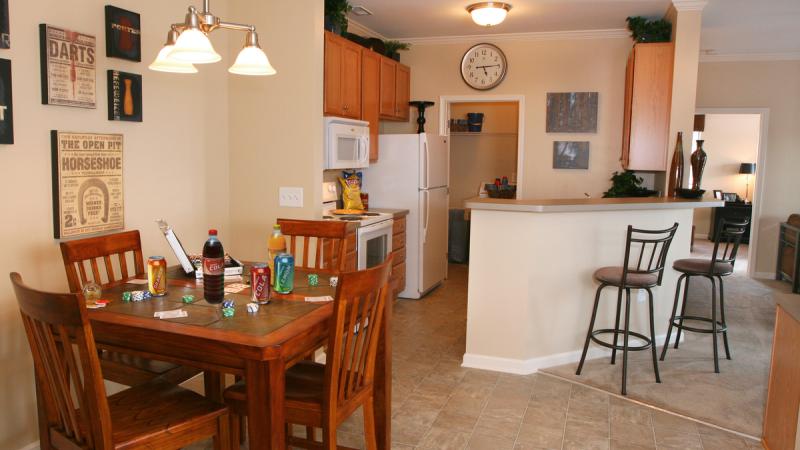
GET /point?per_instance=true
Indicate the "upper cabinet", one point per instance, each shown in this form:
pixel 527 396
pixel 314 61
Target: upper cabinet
pixel 342 77
pixel 370 97
pixel 395 90
pixel 648 99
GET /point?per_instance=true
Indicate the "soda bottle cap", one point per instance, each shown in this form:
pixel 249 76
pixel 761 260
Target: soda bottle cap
pixel 212 232
pixel 277 226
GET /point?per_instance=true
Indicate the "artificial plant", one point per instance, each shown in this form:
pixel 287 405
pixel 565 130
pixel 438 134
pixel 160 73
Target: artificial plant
pixel 627 184
pixel 645 30
pixel 391 48
pixel 336 15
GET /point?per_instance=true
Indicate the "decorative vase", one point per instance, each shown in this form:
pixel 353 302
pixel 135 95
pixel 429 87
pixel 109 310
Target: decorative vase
pixel 421 105
pixel 128 98
pixel 676 170
pixel 699 158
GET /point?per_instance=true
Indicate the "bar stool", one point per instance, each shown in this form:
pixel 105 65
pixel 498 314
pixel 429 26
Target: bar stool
pixel 729 233
pixel 642 271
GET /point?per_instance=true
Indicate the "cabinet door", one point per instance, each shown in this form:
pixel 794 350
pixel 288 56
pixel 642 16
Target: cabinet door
pixel 370 97
pixel 351 80
pixel 388 88
pixel 626 118
pixel 332 103
pixel 403 92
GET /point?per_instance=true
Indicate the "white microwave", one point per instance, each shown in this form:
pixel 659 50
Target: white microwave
pixel 346 143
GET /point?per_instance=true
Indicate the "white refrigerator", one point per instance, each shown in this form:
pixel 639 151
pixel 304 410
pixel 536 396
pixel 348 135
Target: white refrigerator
pixel 412 173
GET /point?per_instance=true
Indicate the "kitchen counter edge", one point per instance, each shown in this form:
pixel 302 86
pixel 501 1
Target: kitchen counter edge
pixel 396 213
pixel 587 204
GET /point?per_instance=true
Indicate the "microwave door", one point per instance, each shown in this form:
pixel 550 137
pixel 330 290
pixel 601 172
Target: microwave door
pixel 347 150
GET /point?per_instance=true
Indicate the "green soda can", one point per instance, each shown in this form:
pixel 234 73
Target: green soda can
pixel 284 273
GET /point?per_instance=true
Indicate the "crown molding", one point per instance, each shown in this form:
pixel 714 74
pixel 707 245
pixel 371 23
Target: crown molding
pixel 363 30
pixel 615 33
pixel 733 57
pixel 689 5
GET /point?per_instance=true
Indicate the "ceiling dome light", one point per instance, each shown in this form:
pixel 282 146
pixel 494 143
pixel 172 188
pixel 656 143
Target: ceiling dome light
pixel 194 47
pixel 252 60
pixel 488 13
pixel 163 63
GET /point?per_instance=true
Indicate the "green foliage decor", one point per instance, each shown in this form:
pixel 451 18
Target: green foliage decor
pixel 644 30
pixel 336 15
pixel 392 48
pixel 627 184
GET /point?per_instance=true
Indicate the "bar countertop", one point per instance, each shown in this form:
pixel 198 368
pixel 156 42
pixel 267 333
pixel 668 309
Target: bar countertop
pixel 588 204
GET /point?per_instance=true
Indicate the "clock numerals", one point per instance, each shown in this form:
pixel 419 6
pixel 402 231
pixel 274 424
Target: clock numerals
pixel 483 66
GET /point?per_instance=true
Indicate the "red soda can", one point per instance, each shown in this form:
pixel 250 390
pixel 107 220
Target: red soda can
pixel 259 283
pixel 157 275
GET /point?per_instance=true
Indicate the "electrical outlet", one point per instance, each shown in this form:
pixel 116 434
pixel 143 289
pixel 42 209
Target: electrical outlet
pixel 641 297
pixel 291 197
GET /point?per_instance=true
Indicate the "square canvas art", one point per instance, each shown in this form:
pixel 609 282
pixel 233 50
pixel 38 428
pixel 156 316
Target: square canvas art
pixel 6 107
pixel 570 155
pixel 572 112
pixel 123 34
pixel 68 63
pixel 5 33
pixel 124 96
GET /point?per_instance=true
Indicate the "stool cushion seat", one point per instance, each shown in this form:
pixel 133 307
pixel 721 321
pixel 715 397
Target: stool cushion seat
pixel 701 266
pixel 613 276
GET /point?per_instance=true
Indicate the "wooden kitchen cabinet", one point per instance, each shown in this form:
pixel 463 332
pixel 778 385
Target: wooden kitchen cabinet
pixel 648 100
pixel 370 97
pixel 395 90
pixel 342 77
pixel 783 396
pixel 398 277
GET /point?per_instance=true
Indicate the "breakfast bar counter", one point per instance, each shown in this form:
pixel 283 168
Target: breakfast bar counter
pixel 531 288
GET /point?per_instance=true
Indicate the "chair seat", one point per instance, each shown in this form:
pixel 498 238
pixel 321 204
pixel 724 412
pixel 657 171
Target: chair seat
pixel 701 266
pixel 304 384
pixel 148 413
pixel 132 370
pixel 613 276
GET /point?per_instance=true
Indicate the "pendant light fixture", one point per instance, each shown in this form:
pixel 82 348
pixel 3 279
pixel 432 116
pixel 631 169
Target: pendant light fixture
pixel 488 14
pixel 188 44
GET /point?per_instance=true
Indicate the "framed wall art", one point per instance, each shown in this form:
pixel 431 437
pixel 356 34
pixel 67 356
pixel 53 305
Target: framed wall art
pixel 5 29
pixel 572 112
pixel 68 63
pixel 570 155
pixel 124 96
pixel 6 105
pixel 87 183
pixel 123 34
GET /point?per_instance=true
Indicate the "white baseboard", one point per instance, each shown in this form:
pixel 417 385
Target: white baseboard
pixel 31 446
pixel 764 275
pixel 532 365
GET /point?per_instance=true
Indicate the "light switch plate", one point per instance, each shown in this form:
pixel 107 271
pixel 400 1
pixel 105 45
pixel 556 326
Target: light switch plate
pixel 291 197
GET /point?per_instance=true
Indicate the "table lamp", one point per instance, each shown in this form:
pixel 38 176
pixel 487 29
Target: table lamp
pixel 747 169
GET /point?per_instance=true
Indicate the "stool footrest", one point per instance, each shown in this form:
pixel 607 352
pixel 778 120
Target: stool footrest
pixel 621 336
pixel 676 322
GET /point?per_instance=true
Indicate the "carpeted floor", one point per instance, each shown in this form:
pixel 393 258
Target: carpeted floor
pixel 733 399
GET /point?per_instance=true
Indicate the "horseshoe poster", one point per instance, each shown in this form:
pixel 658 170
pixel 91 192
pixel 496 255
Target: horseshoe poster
pixel 87 183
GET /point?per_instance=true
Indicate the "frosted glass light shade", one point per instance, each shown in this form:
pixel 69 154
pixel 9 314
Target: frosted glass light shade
pixel 252 61
pixel 489 13
pixel 164 64
pixel 194 47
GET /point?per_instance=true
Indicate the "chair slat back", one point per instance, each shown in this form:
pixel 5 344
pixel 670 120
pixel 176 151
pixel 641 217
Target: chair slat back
pixel 729 234
pixel 358 314
pixel 652 246
pixel 328 239
pixel 67 366
pixel 76 254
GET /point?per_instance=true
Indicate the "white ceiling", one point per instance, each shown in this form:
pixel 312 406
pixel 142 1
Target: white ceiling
pixel 729 26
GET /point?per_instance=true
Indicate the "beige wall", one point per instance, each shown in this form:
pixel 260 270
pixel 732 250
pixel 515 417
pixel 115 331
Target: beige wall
pixel 536 68
pixel 276 122
pixel 774 85
pixel 480 158
pixel 730 139
pixel 181 142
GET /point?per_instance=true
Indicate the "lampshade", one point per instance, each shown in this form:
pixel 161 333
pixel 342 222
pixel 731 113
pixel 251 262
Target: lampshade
pixel 488 13
pixel 164 64
pixel 252 61
pixel 194 47
pixel 747 168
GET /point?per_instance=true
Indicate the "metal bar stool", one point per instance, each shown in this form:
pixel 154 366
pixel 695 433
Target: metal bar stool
pixel 642 271
pixel 729 233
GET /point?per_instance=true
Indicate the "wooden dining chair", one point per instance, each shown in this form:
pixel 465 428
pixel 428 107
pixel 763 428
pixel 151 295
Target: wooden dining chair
pixel 325 395
pixel 74 412
pixel 77 254
pixel 328 239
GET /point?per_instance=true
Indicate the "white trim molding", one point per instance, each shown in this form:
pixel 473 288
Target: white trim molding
pixel 31 446
pixel 732 57
pixel 689 5
pixel 363 30
pixel 614 33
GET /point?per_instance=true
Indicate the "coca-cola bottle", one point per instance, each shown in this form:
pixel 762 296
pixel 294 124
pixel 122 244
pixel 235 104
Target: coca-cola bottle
pixel 213 269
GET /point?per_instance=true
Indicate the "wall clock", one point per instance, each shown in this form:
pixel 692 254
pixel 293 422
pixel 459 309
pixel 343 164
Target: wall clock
pixel 483 66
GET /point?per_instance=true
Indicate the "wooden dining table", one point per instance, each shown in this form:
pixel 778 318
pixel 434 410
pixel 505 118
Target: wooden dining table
pixel 259 346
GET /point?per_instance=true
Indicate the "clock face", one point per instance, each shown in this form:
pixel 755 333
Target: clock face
pixel 483 66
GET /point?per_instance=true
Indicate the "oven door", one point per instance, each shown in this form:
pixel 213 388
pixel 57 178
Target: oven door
pixel 374 244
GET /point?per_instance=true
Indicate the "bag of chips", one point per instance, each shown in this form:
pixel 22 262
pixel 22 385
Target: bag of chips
pixel 351 190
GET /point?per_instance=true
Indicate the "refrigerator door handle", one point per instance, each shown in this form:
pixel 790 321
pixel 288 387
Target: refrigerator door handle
pixel 427 216
pixel 427 170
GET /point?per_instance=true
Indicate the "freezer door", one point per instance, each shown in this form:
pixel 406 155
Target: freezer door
pixel 433 237
pixel 434 161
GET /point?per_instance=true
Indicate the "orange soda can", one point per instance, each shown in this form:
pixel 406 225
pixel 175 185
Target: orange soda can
pixel 157 275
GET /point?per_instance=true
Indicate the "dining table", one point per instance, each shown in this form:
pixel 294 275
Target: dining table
pixel 258 346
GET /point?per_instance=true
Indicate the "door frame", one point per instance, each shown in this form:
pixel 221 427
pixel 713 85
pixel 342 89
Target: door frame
pixel 444 123
pixel 761 169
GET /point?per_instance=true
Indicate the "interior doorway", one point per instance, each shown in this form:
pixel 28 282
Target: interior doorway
pixel 735 142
